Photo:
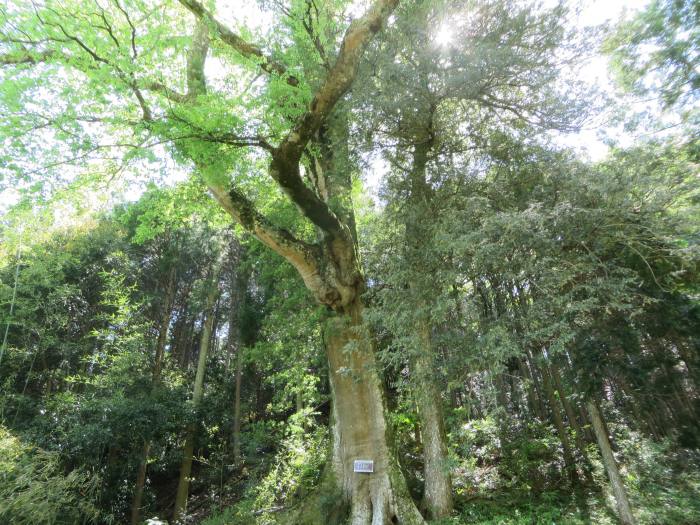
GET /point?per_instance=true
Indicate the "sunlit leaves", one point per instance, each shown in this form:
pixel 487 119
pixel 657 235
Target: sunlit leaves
pixel 658 51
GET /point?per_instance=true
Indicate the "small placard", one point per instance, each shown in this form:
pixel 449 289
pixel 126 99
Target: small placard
pixel 364 465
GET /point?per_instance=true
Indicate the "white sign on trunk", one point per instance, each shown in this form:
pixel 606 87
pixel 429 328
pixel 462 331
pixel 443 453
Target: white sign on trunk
pixel 363 465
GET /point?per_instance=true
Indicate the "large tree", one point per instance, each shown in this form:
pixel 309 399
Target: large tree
pixel 114 80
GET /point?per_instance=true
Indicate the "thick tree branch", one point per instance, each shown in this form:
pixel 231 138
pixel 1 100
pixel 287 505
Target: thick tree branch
pixel 285 164
pixel 246 49
pixel 303 256
pixel 170 94
pixel 340 77
pixel 196 57
pixel 26 57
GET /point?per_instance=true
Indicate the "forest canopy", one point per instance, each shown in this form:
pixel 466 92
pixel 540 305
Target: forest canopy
pixel 349 262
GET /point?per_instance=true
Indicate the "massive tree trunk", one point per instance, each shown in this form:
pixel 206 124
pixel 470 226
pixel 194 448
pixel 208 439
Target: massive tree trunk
pixel 618 486
pixel 360 430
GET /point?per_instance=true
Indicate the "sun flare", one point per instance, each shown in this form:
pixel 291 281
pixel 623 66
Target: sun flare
pixel 444 35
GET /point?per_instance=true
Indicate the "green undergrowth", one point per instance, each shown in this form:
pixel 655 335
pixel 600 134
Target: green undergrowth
pixel 514 482
pixel 36 489
pixel 677 505
pixel 288 492
pixel 520 509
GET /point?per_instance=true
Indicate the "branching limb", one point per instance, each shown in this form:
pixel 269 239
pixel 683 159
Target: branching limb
pixel 310 28
pixel 267 63
pixel 134 52
pixel 340 77
pixel 286 157
pixel 128 79
pixel 303 256
pixel 169 93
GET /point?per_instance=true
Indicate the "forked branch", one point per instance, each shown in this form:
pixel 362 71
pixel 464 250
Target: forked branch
pixel 286 157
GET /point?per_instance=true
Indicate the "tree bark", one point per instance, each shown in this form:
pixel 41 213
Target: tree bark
pixel 164 325
pixel 533 403
pixel 438 481
pixel 140 484
pixel 238 284
pixel 359 427
pixel 618 487
pixel 572 420
pixel 331 271
pixel 568 409
pixel 559 424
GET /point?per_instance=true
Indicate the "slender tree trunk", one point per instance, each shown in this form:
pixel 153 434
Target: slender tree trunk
pixel 618 487
pixel 501 397
pixel 359 427
pixel 516 396
pixel 187 345
pixel 140 484
pixel 166 315
pixel 180 330
pixel 590 435
pixel 691 363
pixel 438 481
pixel 573 421
pixel 237 408
pixel 164 325
pixel 197 394
pixel 532 402
pixel 540 397
pixel 568 409
pixel 213 341
pixel 559 424
pixel 238 283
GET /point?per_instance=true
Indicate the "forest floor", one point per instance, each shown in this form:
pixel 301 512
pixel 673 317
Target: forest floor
pixel 674 506
pixel 664 489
